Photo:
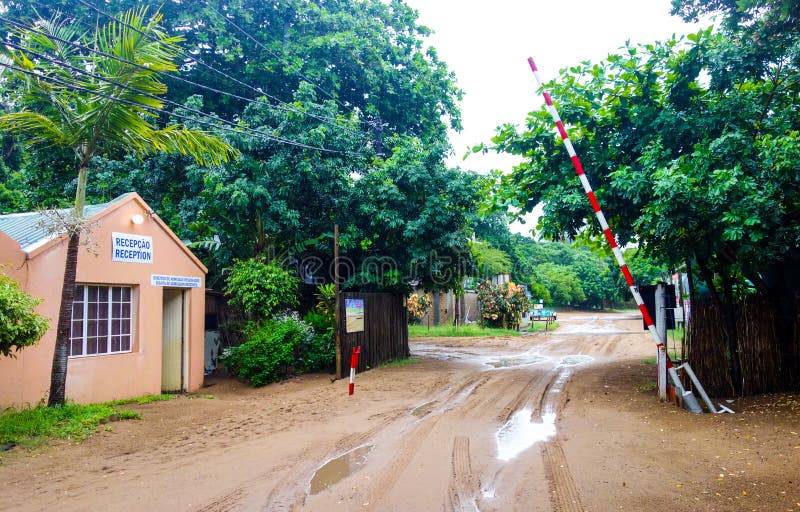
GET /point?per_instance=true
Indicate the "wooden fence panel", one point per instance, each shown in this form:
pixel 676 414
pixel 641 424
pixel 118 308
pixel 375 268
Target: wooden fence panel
pixel 385 333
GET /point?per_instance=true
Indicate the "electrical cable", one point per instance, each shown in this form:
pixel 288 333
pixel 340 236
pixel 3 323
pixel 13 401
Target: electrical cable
pixel 144 93
pixel 273 138
pixel 325 119
pixel 189 57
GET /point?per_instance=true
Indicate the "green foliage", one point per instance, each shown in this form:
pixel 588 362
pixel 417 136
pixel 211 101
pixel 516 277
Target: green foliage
pixel 502 305
pixel 20 325
pixel 457 331
pixel 490 261
pixel 260 289
pixel 562 284
pixel 278 348
pixel 326 304
pixel 33 425
pixel 686 144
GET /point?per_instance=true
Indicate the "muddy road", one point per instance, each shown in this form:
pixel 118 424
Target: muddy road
pixel 561 421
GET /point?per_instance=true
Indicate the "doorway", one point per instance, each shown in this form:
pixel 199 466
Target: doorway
pixel 173 341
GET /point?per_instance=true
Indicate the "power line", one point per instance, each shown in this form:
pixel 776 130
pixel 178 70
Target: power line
pixel 191 58
pixel 282 105
pixel 75 87
pixel 144 93
pixel 260 44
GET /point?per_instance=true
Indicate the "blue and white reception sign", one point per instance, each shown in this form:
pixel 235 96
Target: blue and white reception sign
pixel 130 248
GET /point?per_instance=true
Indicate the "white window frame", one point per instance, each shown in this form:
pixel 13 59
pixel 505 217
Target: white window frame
pixel 109 319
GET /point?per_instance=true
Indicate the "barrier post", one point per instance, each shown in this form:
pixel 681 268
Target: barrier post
pixel 353 366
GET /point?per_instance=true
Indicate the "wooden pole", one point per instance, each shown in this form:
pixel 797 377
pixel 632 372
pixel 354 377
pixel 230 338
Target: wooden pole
pixel 338 301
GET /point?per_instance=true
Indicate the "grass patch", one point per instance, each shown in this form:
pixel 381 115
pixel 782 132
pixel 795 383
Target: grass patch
pixel 648 386
pixel 540 326
pixel 141 400
pixel 399 363
pixel 32 426
pixel 452 331
pixel 207 397
pixel 673 355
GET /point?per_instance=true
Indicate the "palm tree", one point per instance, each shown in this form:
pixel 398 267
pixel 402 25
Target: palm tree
pixel 106 107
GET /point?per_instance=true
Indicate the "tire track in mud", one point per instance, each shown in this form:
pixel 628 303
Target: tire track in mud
pixel 413 440
pixel 525 395
pixel 291 491
pixel 463 485
pixel 564 495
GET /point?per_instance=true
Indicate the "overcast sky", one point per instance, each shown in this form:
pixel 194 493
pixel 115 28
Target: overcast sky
pixel 487 45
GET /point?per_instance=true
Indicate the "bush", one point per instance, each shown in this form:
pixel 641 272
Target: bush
pixel 259 289
pixel 417 306
pixel 502 305
pixel 20 325
pixel 277 348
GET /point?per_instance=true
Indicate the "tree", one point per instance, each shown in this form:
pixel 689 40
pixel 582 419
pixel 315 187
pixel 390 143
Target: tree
pixel 260 289
pixel 93 105
pixel 20 325
pixel 490 261
pixel 692 148
pixel 366 56
pixel 408 221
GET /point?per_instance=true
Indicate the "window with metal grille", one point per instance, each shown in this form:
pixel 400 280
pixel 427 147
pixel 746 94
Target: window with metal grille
pixel 101 320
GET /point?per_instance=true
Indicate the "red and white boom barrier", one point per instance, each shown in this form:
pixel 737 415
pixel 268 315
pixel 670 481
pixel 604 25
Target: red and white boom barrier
pixel 353 366
pixel 599 213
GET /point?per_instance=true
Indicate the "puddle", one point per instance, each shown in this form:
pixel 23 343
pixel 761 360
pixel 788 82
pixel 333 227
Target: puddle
pixel 510 362
pixel 575 360
pixel 339 468
pixel 422 410
pixel 520 433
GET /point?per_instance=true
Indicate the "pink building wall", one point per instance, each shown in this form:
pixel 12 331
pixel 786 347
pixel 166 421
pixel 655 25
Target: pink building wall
pixel 26 378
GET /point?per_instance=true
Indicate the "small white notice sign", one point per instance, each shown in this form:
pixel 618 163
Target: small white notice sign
pixel 176 281
pixel 130 248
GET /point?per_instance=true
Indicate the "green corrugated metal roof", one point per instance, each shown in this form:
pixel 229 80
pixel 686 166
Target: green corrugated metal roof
pixel 31 229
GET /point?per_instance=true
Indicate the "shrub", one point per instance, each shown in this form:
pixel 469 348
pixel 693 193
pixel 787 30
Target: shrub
pixel 259 289
pixel 20 325
pixel 417 306
pixel 277 348
pixel 502 305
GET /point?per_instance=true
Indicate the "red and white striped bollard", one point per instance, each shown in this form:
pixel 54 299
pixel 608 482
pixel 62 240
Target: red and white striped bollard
pixel 353 366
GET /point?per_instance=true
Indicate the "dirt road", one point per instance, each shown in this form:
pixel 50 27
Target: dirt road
pixel 562 421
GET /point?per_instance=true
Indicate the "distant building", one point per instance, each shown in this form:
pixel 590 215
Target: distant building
pixel 138 317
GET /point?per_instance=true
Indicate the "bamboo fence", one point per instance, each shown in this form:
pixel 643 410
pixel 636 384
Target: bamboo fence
pixel 768 361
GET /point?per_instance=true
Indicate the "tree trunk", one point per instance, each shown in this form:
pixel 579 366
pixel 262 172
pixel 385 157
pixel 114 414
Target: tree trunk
pixel 58 375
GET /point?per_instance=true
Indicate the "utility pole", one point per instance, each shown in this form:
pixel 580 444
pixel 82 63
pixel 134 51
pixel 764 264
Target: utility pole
pixel 338 301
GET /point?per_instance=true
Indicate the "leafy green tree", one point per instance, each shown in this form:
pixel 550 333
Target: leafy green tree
pixel 20 325
pixel 490 261
pixel 260 289
pixel 692 148
pixel 562 283
pixel 409 221
pixel 594 275
pixel 367 56
pixel 105 109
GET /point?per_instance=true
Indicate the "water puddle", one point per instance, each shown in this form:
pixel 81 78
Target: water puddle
pixel 575 360
pixel 339 468
pixel 514 361
pixel 424 409
pixel 521 432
